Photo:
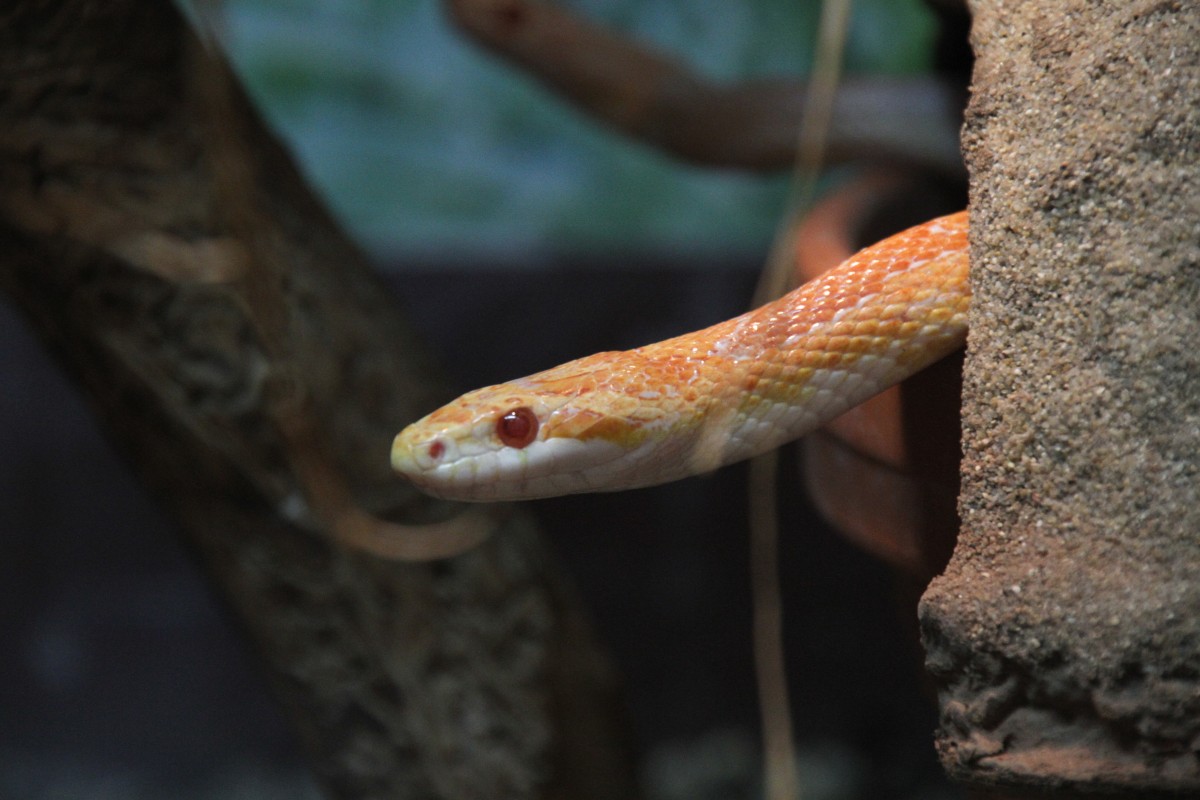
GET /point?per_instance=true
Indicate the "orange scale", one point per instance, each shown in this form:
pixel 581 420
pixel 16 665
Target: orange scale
pixel 842 329
pixel 941 314
pixel 817 311
pixel 890 327
pixel 800 374
pixel 652 379
pixel 644 414
pixel 814 359
pixel 866 327
pixel 859 344
pixel 838 343
pixel 829 359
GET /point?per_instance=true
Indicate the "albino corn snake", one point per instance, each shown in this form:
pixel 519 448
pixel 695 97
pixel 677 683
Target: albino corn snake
pixel 686 405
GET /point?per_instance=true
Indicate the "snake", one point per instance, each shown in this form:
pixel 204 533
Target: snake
pixel 689 404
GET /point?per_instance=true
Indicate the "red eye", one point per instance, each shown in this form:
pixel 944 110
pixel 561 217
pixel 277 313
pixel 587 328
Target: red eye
pixel 518 427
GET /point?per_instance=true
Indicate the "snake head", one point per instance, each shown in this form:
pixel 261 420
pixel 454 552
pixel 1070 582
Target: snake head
pixel 583 426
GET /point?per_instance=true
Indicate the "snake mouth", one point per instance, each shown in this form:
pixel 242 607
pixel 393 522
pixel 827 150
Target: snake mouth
pixel 544 468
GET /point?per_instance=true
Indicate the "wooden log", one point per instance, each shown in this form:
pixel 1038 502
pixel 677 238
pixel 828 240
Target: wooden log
pixel 244 357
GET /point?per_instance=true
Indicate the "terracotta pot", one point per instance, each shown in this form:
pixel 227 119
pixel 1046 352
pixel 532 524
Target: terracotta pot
pixel 885 474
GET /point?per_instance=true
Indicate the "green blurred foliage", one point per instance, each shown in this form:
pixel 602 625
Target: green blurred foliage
pixel 425 145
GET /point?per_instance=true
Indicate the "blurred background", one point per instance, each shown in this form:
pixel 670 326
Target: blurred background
pixel 424 144
pixel 517 234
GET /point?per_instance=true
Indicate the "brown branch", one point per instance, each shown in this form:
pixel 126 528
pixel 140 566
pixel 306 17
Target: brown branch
pixel 323 488
pixel 657 100
pixel 253 369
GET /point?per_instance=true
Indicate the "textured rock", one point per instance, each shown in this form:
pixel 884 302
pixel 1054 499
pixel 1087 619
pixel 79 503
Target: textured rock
pixel 1065 634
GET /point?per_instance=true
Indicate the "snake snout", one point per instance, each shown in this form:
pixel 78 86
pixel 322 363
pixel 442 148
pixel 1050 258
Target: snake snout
pixel 413 456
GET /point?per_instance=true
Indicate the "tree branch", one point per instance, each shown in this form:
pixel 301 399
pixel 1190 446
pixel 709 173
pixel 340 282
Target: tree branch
pixel 661 102
pixel 253 369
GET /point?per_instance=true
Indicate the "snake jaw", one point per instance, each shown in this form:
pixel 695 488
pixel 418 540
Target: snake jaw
pixel 543 468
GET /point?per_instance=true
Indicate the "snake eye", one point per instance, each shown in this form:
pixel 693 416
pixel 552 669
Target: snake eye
pixel 518 427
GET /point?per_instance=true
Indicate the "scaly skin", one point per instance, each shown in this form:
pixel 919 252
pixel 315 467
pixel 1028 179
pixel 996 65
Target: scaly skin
pixel 696 402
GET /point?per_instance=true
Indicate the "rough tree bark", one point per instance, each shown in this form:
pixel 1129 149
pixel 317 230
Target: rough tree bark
pixel 1065 635
pixel 253 369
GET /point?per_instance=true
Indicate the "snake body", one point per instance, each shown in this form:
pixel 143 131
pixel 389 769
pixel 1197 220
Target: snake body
pixel 686 405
